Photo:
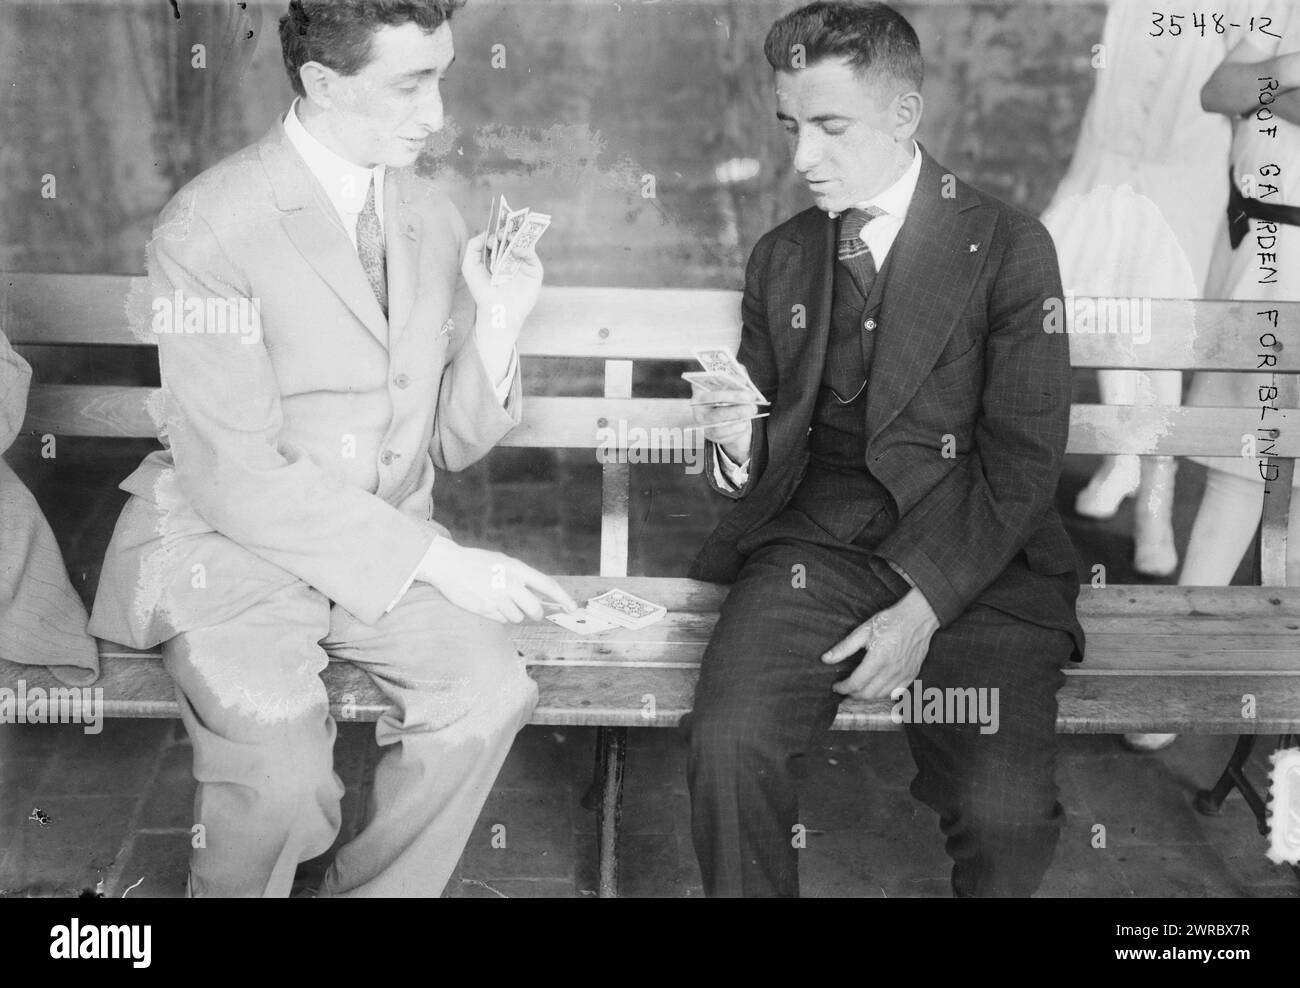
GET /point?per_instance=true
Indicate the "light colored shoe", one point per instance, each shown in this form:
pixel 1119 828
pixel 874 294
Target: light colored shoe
pixel 1117 479
pixel 1148 742
pixel 1153 550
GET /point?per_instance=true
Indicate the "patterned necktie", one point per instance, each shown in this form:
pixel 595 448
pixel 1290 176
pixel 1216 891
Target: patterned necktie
pixel 853 251
pixel 370 248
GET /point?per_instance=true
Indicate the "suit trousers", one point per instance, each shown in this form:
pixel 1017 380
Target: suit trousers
pixel 258 715
pixel 764 694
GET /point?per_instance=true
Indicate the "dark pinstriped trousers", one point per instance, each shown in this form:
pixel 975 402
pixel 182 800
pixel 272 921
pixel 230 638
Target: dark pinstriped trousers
pixel 764 694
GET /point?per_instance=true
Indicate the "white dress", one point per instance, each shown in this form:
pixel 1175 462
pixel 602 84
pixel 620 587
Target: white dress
pixel 1144 136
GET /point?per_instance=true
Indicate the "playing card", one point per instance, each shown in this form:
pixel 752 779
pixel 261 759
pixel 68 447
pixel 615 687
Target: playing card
pixel 491 232
pixel 503 214
pixel 715 381
pixel 515 220
pixel 626 609
pixel 529 232
pixel 509 230
pixel 583 622
pixel 719 360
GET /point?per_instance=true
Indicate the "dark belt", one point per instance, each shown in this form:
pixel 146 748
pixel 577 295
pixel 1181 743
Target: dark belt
pixel 1242 210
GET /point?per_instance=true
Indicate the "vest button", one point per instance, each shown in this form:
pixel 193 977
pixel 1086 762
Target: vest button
pixel 869 325
pixel 402 380
pixel 387 457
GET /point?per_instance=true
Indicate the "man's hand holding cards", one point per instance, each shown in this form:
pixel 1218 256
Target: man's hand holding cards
pixel 725 401
pixel 511 238
pixel 504 276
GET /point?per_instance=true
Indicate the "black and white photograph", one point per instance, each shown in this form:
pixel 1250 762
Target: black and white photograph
pixel 651 449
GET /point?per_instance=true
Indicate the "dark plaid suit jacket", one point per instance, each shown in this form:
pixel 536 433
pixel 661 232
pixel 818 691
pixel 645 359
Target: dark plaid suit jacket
pixel 961 360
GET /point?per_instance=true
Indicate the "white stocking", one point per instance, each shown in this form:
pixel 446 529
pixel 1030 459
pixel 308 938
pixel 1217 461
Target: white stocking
pixel 1225 525
pixel 1153 518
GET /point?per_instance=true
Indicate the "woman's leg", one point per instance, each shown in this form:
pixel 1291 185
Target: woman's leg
pixel 1153 523
pixel 1225 524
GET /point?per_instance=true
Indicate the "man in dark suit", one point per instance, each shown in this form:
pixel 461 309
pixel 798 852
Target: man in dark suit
pixel 899 498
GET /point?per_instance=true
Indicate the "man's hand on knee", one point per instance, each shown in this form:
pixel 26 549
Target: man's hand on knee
pixel 896 639
pixel 491 584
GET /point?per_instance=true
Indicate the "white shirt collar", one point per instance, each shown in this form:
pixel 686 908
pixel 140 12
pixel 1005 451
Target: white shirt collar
pixel 896 199
pixel 345 183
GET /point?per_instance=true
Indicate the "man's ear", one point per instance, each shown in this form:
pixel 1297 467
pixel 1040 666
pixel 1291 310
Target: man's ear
pixel 907 114
pixel 318 82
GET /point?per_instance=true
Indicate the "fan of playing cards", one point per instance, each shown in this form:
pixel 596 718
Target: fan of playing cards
pixel 722 372
pixel 507 230
pixel 612 609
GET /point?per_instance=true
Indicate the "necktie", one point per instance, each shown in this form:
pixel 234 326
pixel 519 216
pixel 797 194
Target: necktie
pixel 853 251
pixel 370 248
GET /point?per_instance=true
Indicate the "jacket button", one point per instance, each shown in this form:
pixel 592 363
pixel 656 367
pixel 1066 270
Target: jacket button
pixel 387 457
pixel 402 380
pixel 869 325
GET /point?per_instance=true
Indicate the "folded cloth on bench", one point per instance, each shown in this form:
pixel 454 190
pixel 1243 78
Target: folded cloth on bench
pixel 42 620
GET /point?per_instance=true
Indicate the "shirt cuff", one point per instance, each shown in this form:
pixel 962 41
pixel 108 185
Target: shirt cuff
pixel 728 473
pixel 424 560
pixel 502 389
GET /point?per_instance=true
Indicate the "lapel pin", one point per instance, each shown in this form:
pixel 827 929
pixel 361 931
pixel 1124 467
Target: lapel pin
pixel 974 248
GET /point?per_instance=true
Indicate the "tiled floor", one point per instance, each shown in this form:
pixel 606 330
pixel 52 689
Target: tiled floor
pixel 119 812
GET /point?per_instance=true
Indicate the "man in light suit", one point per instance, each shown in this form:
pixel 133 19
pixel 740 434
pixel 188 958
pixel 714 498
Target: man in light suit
pixel 899 499
pixel 328 340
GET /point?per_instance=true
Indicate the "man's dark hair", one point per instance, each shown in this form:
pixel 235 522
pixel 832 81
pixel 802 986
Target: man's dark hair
pixel 339 33
pixel 876 40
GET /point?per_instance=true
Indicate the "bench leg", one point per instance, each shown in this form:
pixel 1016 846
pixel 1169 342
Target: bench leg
pixel 611 759
pixel 1210 801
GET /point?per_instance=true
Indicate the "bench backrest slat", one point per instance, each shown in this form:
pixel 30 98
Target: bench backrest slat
pixel 590 423
pixel 622 325
pixel 667 324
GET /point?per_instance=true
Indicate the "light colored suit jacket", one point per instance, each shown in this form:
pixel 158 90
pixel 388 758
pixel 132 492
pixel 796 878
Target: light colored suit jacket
pixel 42 620
pixel 303 449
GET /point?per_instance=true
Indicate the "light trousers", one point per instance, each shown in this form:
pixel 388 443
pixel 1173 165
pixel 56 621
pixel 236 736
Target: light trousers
pixel 257 712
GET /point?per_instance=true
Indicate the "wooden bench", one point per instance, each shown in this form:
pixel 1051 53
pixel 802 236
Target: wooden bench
pixel 1160 658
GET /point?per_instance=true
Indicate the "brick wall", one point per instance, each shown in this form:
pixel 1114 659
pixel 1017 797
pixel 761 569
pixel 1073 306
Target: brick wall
pixel 592 99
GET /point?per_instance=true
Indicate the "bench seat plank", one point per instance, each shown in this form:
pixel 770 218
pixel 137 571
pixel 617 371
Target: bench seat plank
pixel 577 423
pixel 1120 607
pixel 608 696
pixel 1183 668
pixel 1088 705
pixel 616 696
pixel 1130 630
